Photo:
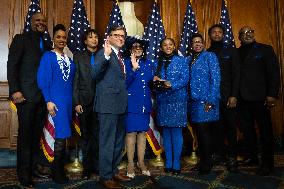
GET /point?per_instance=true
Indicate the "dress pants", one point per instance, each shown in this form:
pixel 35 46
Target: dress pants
pixel 249 113
pixel 89 126
pixel 172 141
pixel 31 117
pixel 112 137
pixel 204 144
pixel 223 129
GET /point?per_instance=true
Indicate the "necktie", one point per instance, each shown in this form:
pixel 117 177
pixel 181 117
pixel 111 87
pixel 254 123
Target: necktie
pixel 92 59
pixel 120 61
pixel 41 44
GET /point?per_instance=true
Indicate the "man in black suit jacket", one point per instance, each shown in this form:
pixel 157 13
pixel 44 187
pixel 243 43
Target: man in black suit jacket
pixel 110 103
pixel 23 61
pixel 259 86
pixel 230 78
pixel 83 100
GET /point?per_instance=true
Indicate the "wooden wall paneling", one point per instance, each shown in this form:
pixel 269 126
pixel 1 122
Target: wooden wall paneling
pixel 279 10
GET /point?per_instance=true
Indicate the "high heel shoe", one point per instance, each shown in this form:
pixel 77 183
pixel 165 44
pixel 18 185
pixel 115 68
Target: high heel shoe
pixel 145 172
pixel 130 171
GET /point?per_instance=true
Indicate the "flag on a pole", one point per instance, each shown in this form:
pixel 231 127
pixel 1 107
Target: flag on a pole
pixel 189 28
pixel 79 24
pixel 154 32
pixel 228 39
pixel 115 18
pixel 34 7
pixel 48 139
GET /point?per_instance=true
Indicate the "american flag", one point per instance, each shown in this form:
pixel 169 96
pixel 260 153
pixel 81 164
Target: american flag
pixel 154 32
pixel 79 24
pixel 34 7
pixel 115 18
pixel 226 23
pixel 189 28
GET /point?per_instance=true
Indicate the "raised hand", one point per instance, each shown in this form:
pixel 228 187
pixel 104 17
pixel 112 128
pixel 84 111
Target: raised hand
pixel 107 47
pixel 134 62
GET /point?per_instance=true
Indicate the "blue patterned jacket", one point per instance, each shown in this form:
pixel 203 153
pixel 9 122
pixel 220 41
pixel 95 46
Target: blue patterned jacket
pixel 204 87
pixel 172 103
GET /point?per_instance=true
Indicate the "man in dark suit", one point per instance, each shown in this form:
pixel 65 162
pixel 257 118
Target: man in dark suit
pixel 259 86
pixel 110 103
pixel 83 99
pixel 23 61
pixel 230 78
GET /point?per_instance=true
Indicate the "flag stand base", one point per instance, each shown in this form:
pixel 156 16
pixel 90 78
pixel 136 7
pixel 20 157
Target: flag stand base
pixel 122 165
pixel 192 159
pixel 157 162
pixel 74 167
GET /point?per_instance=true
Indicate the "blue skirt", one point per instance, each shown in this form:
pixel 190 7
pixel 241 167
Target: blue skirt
pixel 137 122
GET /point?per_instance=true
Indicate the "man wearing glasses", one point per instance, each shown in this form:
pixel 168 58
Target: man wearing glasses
pixel 259 85
pixel 111 103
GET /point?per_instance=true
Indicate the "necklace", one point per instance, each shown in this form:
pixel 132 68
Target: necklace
pixel 64 64
pixel 194 58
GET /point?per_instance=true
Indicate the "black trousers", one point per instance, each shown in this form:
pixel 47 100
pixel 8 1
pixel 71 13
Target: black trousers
pixel 223 129
pixel 89 142
pixel 251 112
pixel 204 140
pixel 31 117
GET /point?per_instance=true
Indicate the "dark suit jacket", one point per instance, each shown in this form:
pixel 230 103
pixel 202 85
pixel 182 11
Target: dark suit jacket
pixel 23 62
pixel 230 72
pixel 111 93
pixel 83 85
pixel 260 74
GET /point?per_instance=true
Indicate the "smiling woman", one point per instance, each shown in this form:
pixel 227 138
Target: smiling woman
pixel 55 79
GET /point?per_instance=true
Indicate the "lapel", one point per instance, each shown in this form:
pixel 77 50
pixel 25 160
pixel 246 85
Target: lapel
pixel 251 52
pixel 35 43
pixel 87 61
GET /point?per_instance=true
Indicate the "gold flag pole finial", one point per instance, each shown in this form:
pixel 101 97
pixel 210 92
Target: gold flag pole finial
pixel 155 1
pixel 190 1
pixel 225 2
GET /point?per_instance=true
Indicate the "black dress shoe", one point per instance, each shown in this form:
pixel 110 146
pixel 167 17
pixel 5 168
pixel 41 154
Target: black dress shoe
pixel 38 174
pixel 26 183
pixel 168 170
pixel 232 165
pixel 86 175
pixel 264 171
pixel 176 171
pixel 250 161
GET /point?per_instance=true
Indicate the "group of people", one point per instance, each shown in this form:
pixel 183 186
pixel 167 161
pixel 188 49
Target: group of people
pixel 111 92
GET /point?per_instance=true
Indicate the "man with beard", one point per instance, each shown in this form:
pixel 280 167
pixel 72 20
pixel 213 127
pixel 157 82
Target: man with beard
pixel 23 61
pixel 230 77
pixel 259 86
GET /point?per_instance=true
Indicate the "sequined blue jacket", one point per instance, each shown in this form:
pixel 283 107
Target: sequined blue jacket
pixel 172 104
pixel 204 87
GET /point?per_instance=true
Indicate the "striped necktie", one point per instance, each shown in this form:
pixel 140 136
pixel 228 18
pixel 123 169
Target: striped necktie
pixel 121 64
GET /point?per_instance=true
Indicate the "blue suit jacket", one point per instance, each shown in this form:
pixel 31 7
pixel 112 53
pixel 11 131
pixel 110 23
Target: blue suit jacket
pixel 111 93
pixel 139 93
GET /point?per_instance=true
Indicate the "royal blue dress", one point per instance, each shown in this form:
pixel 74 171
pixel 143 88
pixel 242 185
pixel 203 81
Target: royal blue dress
pixel 139 105
pixel 55 79
pixel 204 87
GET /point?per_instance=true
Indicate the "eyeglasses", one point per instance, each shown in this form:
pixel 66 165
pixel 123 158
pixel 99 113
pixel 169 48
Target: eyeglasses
pixel 118 36
pixel 194 42
pixel 247 32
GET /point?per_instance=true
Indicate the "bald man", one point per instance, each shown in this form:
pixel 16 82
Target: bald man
pixel 259 86
pixel 23 61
